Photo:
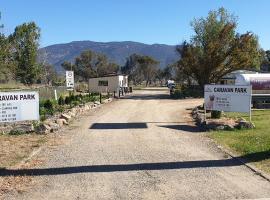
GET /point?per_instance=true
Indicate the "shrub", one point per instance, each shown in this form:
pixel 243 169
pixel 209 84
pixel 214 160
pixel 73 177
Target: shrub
pixel 61 101
pixel 215 114
pixel 67 100
pixel 48 104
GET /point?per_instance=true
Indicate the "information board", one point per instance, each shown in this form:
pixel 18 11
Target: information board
pixel 70 79
pixel 227 98
pixel 19 106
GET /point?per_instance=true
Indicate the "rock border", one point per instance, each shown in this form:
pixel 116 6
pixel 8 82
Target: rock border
pixel 53 123
pixel 212 125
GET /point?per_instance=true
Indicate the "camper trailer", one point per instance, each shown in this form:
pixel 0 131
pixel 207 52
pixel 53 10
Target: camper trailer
pixel 260 88
pixel 113 83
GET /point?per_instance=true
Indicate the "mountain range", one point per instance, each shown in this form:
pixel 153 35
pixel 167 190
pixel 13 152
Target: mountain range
pixel 116 52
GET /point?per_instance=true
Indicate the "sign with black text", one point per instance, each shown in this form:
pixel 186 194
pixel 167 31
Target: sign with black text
pixel 19 106
pixel 70 79
pixel 227 98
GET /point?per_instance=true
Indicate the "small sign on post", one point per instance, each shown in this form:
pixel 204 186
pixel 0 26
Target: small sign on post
pixel 19 106
pixel 228 98
pixel 70 80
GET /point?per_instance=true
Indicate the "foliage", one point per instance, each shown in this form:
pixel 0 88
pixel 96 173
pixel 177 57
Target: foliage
pixel 25 44
pixel 6 60
pixel 90 64
pixel 216 49
pixel 61 100
pixel 140 68
pixel 215 114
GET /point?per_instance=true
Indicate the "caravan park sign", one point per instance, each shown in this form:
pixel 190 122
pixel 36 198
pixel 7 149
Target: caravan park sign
pixel 19 106
pixel 227 98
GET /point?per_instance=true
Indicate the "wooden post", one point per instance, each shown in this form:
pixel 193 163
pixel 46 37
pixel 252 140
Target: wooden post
pixel 100 97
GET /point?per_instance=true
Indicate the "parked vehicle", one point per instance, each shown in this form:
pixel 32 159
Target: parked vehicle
pixel 260 88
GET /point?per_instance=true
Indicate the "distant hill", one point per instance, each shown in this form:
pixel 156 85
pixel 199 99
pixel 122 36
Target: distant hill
pixel 116 52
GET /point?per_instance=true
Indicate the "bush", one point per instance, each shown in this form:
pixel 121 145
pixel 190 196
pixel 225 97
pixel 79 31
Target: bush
pixel 67 100
pixel 61 101
pixel 215 114
pixel 48 104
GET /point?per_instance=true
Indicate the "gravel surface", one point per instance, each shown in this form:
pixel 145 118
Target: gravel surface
pixel 141 147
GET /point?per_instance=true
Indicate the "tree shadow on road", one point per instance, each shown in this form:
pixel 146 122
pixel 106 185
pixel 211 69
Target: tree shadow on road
pixel 254 157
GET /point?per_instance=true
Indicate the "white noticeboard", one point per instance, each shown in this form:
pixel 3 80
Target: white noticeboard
pixel 19 106
pixel 70 79
pixel 228 98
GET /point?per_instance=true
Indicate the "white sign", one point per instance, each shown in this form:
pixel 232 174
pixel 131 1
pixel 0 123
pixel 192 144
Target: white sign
pixel 19 106
pixel 70 79
pixel 227 98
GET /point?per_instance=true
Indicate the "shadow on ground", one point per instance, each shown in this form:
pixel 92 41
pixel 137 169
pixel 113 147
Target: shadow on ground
pixel 130 125
pixel 149 97
pixel 187 128
pixel 254 157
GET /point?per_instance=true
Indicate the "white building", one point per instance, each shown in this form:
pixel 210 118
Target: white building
pixel 113 83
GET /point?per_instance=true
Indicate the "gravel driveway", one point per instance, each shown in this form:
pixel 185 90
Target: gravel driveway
pixel 141 147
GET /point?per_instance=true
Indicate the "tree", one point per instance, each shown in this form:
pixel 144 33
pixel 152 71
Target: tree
pixel 6 60
pixel 140 68
pixel 216 49
pixel 48 75
pixel 148 67
pixel 90 64
pixel 25 43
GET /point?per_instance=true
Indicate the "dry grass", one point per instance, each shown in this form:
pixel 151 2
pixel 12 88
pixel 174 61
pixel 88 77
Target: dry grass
pixel 14 149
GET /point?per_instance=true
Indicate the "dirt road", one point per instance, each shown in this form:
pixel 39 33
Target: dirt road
pixel 140 147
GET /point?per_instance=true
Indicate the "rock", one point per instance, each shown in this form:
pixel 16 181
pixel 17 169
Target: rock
pixel 72 113
pixel 200 119
pixel 97 102
pixel 54 126
pixel 61 122
pixel 229 127
pixel 23 128
pixel 43 129
pixel 65 116
pixel 220 127
pixel 243 124
pixel 86 107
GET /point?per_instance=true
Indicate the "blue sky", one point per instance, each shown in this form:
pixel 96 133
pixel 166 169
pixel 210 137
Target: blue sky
pixel 148 21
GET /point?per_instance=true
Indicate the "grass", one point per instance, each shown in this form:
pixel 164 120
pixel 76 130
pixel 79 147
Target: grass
pixel 13 149
pixel 252 144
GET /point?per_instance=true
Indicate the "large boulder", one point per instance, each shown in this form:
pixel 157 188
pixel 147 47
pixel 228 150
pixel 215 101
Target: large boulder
pixel 22 128
pixel 42 129
pixel 243 124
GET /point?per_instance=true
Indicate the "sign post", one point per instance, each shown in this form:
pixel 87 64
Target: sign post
pixel 70 80
pixel 228 98
pixel 19 106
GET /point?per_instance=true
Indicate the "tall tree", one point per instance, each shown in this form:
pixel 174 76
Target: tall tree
pixel 216 49
pixel 25 41
pixel 6 60
pixel 140 68
pixel 90 64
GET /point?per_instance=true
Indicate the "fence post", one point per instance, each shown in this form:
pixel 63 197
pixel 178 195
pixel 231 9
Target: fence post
pixel 100 97
pixel 55 94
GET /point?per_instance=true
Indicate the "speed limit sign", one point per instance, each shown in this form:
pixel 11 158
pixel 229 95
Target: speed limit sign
pixel 70 79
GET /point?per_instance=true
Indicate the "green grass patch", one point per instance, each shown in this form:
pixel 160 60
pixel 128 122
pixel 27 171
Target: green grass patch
pixel 252 144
